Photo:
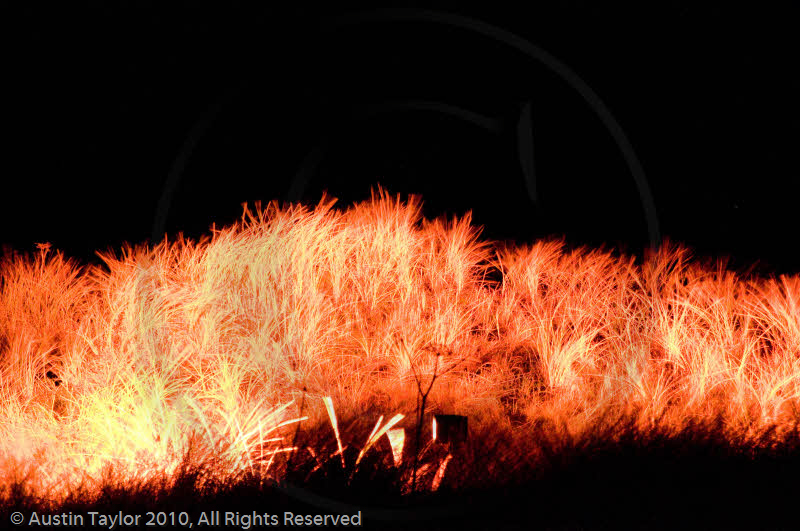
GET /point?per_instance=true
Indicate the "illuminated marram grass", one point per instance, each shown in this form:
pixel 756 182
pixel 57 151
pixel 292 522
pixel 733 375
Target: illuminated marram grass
pixel 225 348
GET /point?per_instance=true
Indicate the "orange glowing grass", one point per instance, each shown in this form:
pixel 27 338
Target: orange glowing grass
pixel 210 343
pixel 335 425
pixel 376 434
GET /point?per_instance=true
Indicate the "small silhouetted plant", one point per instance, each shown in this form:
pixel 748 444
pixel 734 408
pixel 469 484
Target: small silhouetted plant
pixel 421 402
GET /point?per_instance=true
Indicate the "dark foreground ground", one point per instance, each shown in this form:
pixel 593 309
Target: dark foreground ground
pixel 686 481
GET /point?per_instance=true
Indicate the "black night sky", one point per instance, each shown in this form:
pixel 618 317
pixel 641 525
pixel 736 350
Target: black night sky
pixel 126 118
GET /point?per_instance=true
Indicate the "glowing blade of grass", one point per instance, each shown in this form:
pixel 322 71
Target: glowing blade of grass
pixel 437 479
pixel 397 438
pixel 378 433
pixel 374 430
pixel 332 415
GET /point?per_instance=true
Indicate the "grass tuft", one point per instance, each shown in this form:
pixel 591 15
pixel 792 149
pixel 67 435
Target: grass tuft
pixel 209 370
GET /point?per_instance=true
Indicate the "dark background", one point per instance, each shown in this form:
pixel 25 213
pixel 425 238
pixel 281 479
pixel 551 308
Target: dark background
pixel 125 118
